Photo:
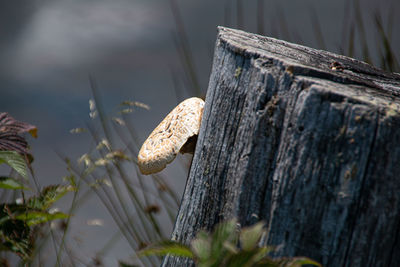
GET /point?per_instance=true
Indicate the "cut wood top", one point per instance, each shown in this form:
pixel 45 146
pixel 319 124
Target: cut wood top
pixel 312 62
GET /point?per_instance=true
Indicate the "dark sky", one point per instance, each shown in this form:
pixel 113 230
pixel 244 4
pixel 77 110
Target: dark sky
pixel 48 49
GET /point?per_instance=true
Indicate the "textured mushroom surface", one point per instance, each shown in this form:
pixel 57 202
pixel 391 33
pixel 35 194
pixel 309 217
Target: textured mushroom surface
pixel 164 143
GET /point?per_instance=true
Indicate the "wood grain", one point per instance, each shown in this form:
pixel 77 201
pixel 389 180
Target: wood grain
pixel 308 141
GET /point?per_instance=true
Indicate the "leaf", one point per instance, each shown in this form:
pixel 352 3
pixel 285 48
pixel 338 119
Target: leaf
pixel 167 247
pixel 11 183
pixel 300 261
pixel 201 246
pixel 245 258
pixel 123 264
pixel 9 134
pixel 37 217
pixel 287 262
pixel 10 141
pixel 9 124
pixel 48 196
pixel 262 253
pixel 15 161
pixel 268 262
pixel 15 236
pixel 250 236
pixel 15 232
pixel 231 248
pixel 33 132
pixel 223 232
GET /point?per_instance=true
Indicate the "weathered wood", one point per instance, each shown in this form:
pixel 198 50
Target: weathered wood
pixel 306 140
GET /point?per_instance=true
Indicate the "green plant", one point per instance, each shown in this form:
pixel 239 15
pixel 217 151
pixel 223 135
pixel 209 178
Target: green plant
pixel 227 246
pixel 20 220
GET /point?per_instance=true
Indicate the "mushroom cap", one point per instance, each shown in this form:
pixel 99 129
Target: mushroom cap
pixel 164 143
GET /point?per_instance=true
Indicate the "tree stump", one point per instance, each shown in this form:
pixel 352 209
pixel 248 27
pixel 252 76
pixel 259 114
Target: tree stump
pixel 306 140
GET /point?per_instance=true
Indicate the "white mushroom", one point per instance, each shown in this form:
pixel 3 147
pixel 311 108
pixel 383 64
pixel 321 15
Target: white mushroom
pixel 174 134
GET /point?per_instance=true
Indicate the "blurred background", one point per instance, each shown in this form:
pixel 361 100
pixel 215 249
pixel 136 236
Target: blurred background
pixel 58 55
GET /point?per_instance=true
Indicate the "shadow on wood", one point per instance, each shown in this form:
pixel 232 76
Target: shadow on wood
pixel 306 140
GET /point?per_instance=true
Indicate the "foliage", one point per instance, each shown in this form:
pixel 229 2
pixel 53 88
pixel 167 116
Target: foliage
pixel 17 220
pixel 20 220
pixel 227 246
pixel 11 183
pixel 10 130
pixel 48 196
pixel 15 161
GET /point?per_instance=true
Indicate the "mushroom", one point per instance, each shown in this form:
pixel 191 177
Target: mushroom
pixel 176 133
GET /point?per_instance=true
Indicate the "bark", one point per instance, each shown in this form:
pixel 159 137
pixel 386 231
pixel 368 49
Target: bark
pixel 306 140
